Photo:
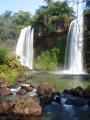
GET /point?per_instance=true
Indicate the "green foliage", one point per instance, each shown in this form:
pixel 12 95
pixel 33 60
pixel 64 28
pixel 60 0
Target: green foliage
pixel 10 66
pixel 3 55
pixel 47 59
pixel 22 18
pixel 8 74
pixel 11 24
pixel 52 17
pixel 61 45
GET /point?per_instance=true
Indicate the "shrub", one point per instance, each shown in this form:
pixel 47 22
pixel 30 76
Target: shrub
pixel 3 55
pixel 47 59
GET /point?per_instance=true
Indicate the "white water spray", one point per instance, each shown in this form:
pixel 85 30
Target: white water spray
pixel 74 49
pixel 24 47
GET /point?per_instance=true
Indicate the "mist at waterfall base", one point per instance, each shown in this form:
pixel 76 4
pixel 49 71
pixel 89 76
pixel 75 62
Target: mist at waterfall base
pixel 74 49
pixel 24 48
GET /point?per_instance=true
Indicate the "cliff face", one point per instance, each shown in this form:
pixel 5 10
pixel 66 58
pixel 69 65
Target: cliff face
pixel 87 41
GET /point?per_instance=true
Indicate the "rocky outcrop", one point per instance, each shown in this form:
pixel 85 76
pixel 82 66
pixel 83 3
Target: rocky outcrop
pixel 25 88
pixel 47 94
pixel 5 106
pixel 5 89
pixel 28 106
pixel 79 92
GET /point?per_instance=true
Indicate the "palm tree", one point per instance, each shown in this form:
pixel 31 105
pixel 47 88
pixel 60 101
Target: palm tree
pixel 48 1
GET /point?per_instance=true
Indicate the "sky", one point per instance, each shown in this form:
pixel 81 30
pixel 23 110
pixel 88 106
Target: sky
pixel 25 5
pixel 28 5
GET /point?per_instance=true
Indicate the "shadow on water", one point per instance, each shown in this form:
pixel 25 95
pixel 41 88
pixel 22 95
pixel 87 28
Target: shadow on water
pixel 60 112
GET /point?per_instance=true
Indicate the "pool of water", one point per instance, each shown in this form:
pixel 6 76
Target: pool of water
pixel 61 82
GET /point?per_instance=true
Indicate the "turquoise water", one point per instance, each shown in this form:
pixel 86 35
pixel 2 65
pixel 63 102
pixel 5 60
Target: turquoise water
pixel 61 82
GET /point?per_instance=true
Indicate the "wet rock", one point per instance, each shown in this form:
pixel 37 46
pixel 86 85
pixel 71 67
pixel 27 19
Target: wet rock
pixel 45 89
pixel 56 97
pixel 87 92
pixel 28 106
pixel 78 102
pixel 21 78
pixel 5 106
pixel 4 84
pixel 4 91
pixel 28 87
pixel 22 91
pixel 66 91
pixel 78 91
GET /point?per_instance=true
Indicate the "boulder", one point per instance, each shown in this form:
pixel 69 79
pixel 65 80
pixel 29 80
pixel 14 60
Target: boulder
pixel 4 91
pixel 28 87
pixel 22 91
pixel 5 106
pixel 44 92
pixel 87 92
pixel 45 89
pixel 27 106
pixel 78 91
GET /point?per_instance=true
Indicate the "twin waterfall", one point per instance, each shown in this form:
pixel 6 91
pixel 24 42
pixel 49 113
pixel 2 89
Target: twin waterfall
pixel 24 47
pixel 74 48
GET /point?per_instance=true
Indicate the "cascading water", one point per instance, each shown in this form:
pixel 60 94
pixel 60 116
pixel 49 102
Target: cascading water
pixel 74 49
pixel 24 47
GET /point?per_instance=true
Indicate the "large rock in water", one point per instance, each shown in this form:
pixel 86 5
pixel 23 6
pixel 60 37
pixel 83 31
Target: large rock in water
pixel 78 91
pixel 45 91
pixel 27 106
pixel 45 88
pixel 28 87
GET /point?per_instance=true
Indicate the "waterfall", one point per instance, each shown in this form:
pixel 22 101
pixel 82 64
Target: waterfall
pixel 24 47
pixel 74 48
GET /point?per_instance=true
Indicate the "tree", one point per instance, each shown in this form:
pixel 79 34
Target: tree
pixel 48 1
pixel 52 18
pixel 22 18
pixel 7 14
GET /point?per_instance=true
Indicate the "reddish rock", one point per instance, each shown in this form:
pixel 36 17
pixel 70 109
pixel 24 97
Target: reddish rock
pixel 4 91
pixel 45 91
pixel 45 88
pixel 5 106
pixel 28 106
